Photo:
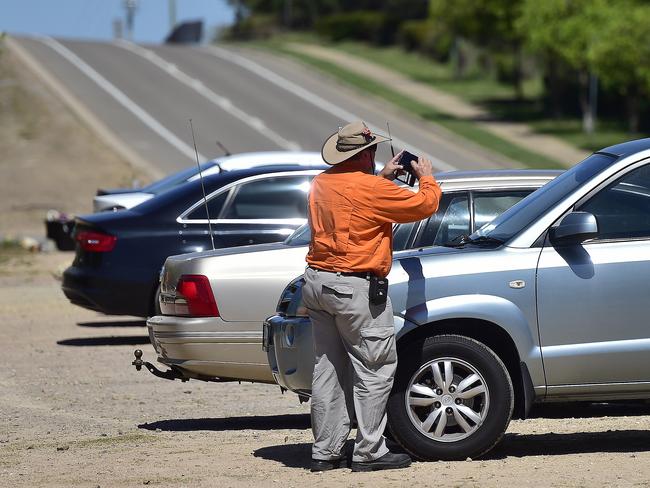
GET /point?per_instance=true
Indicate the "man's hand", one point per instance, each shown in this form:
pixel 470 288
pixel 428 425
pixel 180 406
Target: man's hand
pixel 392 169
pixel 422 167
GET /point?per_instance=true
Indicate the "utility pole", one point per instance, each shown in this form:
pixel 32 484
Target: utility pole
pixel 172 15
pixel 117 28
pixel 130 6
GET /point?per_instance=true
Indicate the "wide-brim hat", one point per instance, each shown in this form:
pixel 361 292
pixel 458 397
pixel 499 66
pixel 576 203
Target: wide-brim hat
pixel 348 141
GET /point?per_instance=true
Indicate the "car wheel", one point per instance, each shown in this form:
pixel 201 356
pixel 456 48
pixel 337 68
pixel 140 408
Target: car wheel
pixel 452 399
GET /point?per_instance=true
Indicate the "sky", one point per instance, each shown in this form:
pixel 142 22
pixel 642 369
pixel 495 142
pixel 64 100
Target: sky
pixel 93 19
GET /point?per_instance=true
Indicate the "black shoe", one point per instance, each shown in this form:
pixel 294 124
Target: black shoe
pixel 390 460
pixel 321 465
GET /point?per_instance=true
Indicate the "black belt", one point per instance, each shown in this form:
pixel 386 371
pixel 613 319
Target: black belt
pixel 360 274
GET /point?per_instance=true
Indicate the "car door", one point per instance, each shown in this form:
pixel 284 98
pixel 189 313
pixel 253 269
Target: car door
pixel 451 220
pixel 193 231
pixel 266 209
pixel 593 307
pixel 262 209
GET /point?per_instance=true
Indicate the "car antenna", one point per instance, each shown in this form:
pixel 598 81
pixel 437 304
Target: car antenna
pixel 392 149
pixel 224 149
pixel 205 199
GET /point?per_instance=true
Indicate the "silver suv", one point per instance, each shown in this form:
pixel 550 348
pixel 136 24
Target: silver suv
pixel 546 303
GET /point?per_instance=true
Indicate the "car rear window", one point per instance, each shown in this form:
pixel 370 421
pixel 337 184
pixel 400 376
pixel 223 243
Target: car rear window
pixel 279 197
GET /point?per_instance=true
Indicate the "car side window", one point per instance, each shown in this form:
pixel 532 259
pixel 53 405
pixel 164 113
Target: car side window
pixel 449 222
pixel 278 197
pixel 401 235
pixel 622 209
pixel 215 205
pixel 489 205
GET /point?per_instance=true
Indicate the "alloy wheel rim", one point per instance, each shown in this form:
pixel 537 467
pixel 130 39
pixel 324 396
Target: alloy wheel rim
pixel 447 399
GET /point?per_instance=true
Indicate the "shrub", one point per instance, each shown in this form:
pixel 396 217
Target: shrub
pixel 360 25
pixel 429 38
pixel 252 27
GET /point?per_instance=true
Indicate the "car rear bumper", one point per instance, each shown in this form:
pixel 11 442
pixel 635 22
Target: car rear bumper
pixel 211 347
pixel 290 352
pixel 96 290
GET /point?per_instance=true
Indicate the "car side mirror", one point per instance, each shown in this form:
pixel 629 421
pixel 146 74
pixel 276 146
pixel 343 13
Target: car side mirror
pixel 574 228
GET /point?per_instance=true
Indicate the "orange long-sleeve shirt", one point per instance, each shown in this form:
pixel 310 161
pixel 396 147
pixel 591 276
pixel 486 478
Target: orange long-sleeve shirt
pixel 351 214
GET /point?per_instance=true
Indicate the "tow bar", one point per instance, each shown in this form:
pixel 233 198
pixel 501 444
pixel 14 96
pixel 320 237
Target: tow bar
pixel 170 374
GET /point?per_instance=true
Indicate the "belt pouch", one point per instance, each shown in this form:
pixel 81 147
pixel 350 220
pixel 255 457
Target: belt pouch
pixel 378 292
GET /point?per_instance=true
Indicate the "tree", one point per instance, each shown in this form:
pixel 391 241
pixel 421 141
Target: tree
pixel 621 55
pixel 565 31
pixel 303 14
pixel 488 23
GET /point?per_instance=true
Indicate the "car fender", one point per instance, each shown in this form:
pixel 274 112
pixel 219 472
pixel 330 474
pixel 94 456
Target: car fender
pixel 497 310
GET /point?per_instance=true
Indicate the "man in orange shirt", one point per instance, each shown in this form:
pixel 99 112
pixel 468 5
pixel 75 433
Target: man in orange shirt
pixel 351 213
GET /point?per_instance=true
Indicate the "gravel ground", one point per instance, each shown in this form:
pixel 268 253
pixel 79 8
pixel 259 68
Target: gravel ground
pixel 76 413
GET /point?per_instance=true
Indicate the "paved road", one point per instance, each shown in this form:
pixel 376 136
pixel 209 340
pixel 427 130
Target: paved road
pixel 246 99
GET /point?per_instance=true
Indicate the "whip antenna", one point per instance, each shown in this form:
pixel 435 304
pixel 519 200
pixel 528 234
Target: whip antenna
pixel 392 150
pixel 205 199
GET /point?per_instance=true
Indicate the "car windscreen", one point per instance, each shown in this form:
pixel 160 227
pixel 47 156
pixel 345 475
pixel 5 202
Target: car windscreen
pixel 521 215
pixel 300 237
pixel 175 179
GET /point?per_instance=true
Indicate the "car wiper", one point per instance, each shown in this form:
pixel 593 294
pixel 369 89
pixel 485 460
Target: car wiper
pixel 465 239
pixel 457 241
pixel 485 240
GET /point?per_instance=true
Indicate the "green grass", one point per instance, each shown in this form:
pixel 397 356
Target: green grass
pixel 607 133
pixel 476 87
pixel 10 252
pixel 464 128
pixel 496 97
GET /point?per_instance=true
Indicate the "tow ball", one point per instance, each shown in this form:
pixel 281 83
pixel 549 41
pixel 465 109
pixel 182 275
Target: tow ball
pixel 170 374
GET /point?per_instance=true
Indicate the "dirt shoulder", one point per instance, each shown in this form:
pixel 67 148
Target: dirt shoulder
pixel 49 158
pixel 76 413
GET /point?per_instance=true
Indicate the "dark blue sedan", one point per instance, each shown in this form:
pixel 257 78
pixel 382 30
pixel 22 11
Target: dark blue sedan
pixel 119 255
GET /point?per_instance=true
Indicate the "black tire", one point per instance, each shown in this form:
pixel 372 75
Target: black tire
pixel 497 409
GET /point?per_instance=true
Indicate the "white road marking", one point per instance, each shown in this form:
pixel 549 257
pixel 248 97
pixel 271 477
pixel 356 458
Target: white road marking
pixel 83 112
pixel 122 99
pixel 220 101
pixel 314 99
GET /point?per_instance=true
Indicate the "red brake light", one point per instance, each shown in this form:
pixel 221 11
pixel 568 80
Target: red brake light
pixel 197 292
pixel 96 241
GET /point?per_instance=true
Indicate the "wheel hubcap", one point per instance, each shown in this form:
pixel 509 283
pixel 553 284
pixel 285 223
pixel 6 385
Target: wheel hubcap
pixel 447 399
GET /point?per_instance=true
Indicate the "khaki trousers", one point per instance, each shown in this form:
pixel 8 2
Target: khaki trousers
pixel 354 345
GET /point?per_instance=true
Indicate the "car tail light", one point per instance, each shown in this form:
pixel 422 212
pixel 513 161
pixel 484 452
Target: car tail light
pixel 194 297
pixel 95 241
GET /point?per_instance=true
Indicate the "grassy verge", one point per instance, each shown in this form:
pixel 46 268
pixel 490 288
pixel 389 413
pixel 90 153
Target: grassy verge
pixel 464 128
pixel 11 252
pixel 496 97
pixel 475 87
pixel 607 134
